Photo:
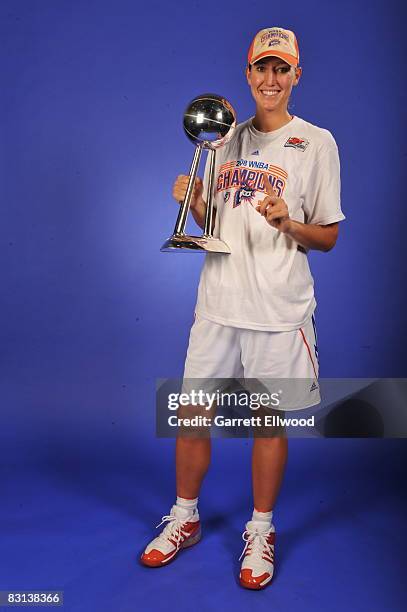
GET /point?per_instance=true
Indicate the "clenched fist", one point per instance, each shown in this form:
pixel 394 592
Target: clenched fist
pixel 180 188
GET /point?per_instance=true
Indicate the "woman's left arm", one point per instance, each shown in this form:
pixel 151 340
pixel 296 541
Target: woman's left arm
pixel 308 235
pixel 312 236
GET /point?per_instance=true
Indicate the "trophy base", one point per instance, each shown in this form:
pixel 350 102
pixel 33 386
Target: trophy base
pixel 194 243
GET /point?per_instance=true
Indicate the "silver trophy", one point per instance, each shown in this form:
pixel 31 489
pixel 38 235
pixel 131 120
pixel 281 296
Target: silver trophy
pixel 209 122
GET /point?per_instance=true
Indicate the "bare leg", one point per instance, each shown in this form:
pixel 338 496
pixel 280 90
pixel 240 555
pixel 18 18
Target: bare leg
pixel 192 453
pixel 192 458
pixel 268 462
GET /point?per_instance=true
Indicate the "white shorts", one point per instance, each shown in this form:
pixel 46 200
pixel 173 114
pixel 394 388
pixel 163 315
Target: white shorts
pixel 263 359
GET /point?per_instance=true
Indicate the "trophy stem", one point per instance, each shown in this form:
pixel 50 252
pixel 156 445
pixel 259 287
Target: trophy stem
pixel 184 209
pixel 209 204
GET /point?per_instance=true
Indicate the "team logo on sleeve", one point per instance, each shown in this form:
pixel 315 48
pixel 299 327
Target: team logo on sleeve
pixel 297 143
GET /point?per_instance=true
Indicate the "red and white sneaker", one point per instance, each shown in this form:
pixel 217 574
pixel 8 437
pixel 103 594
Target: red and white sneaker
pixel 182 530
pixel 258 555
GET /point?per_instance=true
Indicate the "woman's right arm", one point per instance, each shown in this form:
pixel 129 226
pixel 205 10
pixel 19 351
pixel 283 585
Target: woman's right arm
pixel 198 204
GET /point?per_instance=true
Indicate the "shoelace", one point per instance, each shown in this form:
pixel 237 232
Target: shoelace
pixel 173 529
pixel 256 541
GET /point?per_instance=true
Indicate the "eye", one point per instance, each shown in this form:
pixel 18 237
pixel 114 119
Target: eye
pixel 283 69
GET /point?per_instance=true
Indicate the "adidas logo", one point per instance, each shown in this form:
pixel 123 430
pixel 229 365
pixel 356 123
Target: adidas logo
pixel 314 386
pixel 256 152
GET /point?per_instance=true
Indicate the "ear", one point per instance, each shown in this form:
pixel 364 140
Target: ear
pixel 248 73
pixel 297 76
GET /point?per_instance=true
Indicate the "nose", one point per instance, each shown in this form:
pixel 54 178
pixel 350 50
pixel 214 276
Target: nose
pixel 270 77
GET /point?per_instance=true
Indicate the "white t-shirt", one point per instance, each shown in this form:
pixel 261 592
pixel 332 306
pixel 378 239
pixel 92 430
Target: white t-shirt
pixel 266 283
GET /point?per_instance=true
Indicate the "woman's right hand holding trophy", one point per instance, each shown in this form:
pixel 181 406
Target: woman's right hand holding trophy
pixel 179 191
pixel 198 204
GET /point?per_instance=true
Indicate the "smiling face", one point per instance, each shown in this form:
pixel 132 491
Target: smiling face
pixel 271 80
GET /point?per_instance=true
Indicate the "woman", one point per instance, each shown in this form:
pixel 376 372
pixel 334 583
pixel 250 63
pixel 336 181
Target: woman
pixel 277 195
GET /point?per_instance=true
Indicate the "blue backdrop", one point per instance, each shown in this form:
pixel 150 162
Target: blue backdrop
pixel 92 313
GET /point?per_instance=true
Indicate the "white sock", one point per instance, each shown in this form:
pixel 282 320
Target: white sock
pixel 188 504
pixel 262 517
